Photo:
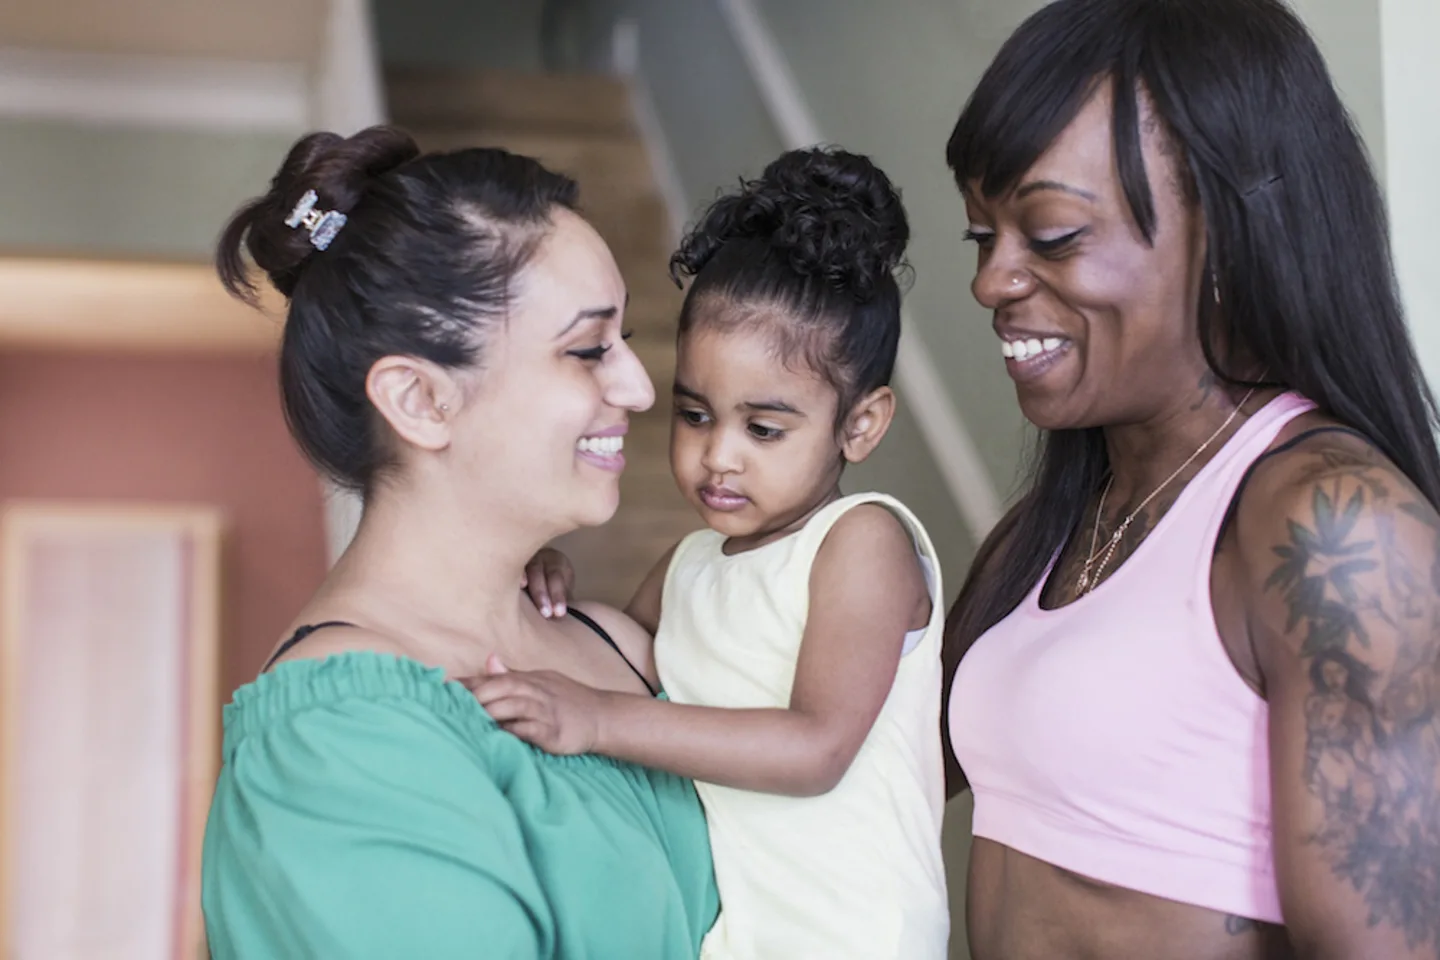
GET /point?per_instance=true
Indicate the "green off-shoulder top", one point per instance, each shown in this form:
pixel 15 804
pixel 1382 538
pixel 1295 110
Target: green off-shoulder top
pixel 367 807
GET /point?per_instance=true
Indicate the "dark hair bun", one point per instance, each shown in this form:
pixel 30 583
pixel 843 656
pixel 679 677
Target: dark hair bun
pixel 832 213
pixel 338 169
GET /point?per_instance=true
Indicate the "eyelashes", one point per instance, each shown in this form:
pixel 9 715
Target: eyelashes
pixel 1055 245
pixel 591 354
pixel 1043 247
pixel 759 432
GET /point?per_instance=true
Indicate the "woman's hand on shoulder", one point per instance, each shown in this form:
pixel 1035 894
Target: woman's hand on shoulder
pixel 1341 559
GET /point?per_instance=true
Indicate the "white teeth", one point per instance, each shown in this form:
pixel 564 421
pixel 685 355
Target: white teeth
pixel 603 446
pixel 1023 350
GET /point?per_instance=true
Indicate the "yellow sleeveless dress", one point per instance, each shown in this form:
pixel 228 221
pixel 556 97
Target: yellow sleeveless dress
pixel 856 872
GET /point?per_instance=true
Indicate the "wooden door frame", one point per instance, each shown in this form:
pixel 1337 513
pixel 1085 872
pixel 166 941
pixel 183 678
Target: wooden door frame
pixel 203 526
pixel 67 303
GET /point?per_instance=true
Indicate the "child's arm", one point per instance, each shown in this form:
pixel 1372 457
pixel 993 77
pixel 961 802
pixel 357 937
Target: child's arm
pixel 550 582
pixel 644 607
pixel 866 591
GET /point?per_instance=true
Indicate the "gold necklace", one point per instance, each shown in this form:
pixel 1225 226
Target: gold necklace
pixel 1090 573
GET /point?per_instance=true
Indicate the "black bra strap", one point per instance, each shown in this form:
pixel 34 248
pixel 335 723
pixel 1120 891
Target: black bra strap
pixel 613 646
pixel 299 635
pixel 305 631
pixel 1287 445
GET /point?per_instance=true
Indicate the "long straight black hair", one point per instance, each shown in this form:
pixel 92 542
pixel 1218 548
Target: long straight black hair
pixel 1298 244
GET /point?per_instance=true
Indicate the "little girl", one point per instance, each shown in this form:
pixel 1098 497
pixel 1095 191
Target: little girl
pixel 798 637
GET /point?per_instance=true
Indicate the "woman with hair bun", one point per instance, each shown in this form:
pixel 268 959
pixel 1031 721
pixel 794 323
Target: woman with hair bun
pixel 453 352
pixel 798 635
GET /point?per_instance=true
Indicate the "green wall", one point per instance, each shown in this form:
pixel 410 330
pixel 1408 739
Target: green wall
pixel 126 192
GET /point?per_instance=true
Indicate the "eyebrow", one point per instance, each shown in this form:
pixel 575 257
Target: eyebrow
pixel 773 406
pixel 1035 186
pixel 760 406
pixel 590 313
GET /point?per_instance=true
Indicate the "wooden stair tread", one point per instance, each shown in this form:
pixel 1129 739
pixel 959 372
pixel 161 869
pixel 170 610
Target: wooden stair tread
pixel 430 95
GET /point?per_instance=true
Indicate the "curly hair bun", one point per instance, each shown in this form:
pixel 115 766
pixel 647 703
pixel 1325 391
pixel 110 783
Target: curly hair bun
pixel 832 213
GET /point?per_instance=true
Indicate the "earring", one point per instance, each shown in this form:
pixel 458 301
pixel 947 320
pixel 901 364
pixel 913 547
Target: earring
pixel 444 408
pixel 1215 287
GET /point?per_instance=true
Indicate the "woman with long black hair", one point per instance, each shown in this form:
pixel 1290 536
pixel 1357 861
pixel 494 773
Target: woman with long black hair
pixel 1198 686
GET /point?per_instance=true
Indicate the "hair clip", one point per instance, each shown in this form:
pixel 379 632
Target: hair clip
pixel 322 224
pixel 1261 186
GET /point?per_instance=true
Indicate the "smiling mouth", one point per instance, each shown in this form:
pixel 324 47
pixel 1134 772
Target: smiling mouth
pixel 601 446
pixel 604 452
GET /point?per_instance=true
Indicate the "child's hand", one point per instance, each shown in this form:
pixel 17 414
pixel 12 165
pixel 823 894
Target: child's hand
pixel 549 579
pixel 544 708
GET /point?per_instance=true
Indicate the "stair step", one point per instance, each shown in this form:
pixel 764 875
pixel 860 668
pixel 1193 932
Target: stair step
pixel 618 165
pixel 429 96
pixel 617 191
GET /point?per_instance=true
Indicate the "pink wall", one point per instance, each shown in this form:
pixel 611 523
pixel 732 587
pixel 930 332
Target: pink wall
pixel 198 430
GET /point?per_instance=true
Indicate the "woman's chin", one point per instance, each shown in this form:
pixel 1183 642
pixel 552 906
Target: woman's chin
pixel 599 508
pixel 1049 410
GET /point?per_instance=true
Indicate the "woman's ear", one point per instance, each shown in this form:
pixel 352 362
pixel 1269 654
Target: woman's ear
pixel 418 399
pixel 867 423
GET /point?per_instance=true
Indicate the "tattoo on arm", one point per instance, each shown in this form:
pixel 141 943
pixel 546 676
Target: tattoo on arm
pixel 1364 603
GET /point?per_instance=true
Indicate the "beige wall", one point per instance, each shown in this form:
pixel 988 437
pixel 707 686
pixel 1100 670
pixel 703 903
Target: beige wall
pixel 1411 80
pixel 1348 33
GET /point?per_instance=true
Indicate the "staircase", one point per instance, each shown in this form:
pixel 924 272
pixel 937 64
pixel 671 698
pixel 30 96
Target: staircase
pixel 583 125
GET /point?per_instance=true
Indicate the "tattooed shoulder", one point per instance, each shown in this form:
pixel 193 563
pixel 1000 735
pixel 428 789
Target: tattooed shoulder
pixel 1344 555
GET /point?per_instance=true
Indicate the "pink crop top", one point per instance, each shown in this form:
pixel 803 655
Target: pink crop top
pixel 1113 737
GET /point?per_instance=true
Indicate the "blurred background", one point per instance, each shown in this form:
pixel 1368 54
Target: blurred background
pixel 160 529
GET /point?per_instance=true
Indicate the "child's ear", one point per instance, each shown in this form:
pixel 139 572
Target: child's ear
pixel 867 423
